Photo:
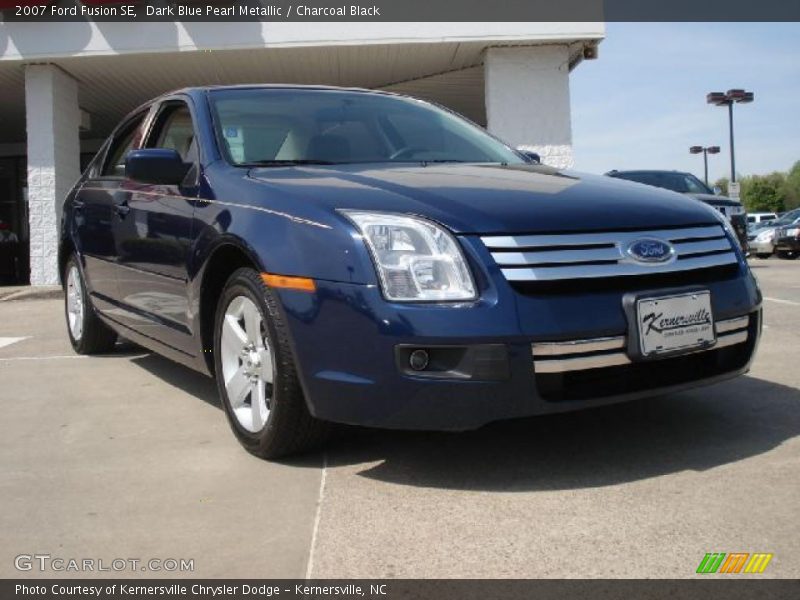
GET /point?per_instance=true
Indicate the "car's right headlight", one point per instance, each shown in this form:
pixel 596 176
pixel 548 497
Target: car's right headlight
pixel 416 259
pixel 765 236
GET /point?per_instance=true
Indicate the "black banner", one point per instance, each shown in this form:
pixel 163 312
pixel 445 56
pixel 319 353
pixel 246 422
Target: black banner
pixel 734 587
pixel 400 10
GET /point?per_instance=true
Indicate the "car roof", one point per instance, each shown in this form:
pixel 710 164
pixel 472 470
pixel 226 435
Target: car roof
pixel 274 86
pixel 201 89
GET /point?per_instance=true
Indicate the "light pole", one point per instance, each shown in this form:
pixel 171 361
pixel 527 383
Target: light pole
pixel 728 99
pixel 706 150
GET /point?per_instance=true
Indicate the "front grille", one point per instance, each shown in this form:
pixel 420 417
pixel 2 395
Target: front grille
pixel 628 284
pixel 592 256
pixel 599 368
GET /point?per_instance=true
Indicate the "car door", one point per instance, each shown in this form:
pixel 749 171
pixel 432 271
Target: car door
pixel 95 208
pixel 153 236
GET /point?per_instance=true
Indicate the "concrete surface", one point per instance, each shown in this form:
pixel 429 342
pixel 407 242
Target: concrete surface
pixel 30 292
pixel 129 456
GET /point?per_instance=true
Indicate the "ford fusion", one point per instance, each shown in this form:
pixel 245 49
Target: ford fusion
pixel 335 255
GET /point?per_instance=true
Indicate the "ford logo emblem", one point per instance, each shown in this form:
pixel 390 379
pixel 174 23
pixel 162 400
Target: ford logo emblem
pixel 651 250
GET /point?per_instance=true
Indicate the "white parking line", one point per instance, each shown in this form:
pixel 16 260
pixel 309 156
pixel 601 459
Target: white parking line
pixel 781 301
pixel 320 498
pixel 7 341
pixel 57 357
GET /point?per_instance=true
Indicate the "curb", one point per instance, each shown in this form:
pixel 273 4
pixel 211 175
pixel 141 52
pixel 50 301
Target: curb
pixel 39 292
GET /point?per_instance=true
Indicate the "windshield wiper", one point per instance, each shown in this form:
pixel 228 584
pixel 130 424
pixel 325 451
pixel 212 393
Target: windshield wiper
pixel 288 163
pixel 442 160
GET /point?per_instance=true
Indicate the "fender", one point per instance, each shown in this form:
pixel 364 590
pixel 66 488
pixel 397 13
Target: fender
pixel 288 234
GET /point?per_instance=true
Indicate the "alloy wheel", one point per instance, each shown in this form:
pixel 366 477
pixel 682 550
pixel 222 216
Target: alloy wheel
pixel 248 364
pixel 75 303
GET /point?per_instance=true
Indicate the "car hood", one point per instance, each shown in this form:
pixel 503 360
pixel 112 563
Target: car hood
pixel 469 198
pixel 714 200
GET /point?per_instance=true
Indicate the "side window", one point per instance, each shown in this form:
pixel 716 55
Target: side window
pixel 173 129
pixel 128 137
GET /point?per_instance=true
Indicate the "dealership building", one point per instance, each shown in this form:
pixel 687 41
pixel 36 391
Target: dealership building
pixel 64 86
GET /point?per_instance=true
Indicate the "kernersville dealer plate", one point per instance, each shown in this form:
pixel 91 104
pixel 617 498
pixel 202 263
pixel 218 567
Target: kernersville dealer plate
pixel 673 323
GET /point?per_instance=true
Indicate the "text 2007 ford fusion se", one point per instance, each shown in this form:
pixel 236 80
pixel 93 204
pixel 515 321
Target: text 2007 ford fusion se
pixel 337 255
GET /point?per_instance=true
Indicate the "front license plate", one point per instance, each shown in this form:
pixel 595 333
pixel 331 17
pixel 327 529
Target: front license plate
pixel 674 323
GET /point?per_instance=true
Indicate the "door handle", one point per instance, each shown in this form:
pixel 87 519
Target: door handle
pixel 122 209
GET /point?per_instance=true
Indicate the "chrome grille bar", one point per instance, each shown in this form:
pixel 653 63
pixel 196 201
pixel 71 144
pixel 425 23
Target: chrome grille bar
pixel 552 257
pixel 582 239
pixel 598 353
pixel 617 269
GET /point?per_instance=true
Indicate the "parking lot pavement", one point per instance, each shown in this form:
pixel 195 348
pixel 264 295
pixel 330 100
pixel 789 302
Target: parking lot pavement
pixel 129 455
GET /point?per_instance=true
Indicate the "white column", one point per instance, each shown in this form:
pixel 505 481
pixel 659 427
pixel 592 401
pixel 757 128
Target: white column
pixel 527 100
pixel 53 119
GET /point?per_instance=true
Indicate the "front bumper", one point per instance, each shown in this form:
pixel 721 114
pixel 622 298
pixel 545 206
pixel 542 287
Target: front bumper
pixel 787 244
pixel 346 339
pixel 757 247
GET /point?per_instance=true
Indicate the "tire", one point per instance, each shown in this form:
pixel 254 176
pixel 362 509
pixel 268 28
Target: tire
pixel 763 255
pixel 87 333
pixel 254 363
pixel 788 255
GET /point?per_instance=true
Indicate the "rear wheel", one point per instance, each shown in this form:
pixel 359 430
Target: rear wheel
pixel 87 333
pixel 256 372
pixel 788 255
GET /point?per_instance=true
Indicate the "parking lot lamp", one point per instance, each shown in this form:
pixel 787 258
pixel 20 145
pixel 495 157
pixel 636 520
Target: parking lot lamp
pixel 706 150
pixel 728 99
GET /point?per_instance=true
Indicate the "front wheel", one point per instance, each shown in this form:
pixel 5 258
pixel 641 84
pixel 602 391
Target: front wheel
pixel 87 333
pixel 763 255
pixel 256 372
pixel 788 255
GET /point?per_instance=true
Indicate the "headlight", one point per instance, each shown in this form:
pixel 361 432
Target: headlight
pixel 765 236
pixel 793 232
pixel 416 260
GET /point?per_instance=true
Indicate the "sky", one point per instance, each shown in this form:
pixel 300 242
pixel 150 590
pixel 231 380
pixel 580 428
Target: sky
pixel 641 104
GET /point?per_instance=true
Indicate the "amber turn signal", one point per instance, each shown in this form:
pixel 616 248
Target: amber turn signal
pixel 304 284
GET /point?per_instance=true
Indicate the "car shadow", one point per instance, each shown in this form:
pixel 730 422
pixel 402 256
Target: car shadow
pixel 184 378
pixel 696 430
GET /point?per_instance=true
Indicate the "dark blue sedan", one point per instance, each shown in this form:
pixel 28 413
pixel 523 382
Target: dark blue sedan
pixel 338 255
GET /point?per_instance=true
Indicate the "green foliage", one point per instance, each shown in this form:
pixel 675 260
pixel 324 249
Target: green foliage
pixel 764 193
pixel 722 183
pixel 791 187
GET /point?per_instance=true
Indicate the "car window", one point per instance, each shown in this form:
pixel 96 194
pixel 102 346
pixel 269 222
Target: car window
pixel 788 218
pixel 129 137
pixel 173 129
pixel 694 185
pixel 273 125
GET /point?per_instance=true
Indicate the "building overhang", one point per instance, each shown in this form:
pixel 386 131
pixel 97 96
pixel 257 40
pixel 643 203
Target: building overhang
pixel 118 66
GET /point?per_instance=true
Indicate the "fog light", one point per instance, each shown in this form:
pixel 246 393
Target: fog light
pixel 418 360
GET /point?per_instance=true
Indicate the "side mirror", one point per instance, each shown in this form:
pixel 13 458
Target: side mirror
pixel 717 190
pixel 156 165
pixel 532 157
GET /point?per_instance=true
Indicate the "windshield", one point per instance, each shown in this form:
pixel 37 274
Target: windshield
pixel 685 183
pixel 302 126
pixel 788 219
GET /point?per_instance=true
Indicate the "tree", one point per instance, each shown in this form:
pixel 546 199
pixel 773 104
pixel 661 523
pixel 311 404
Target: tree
pixel 791 187
pixel 764 193
pixel 722 184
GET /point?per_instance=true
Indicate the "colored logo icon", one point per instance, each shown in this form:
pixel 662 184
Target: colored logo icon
pixel 734 562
